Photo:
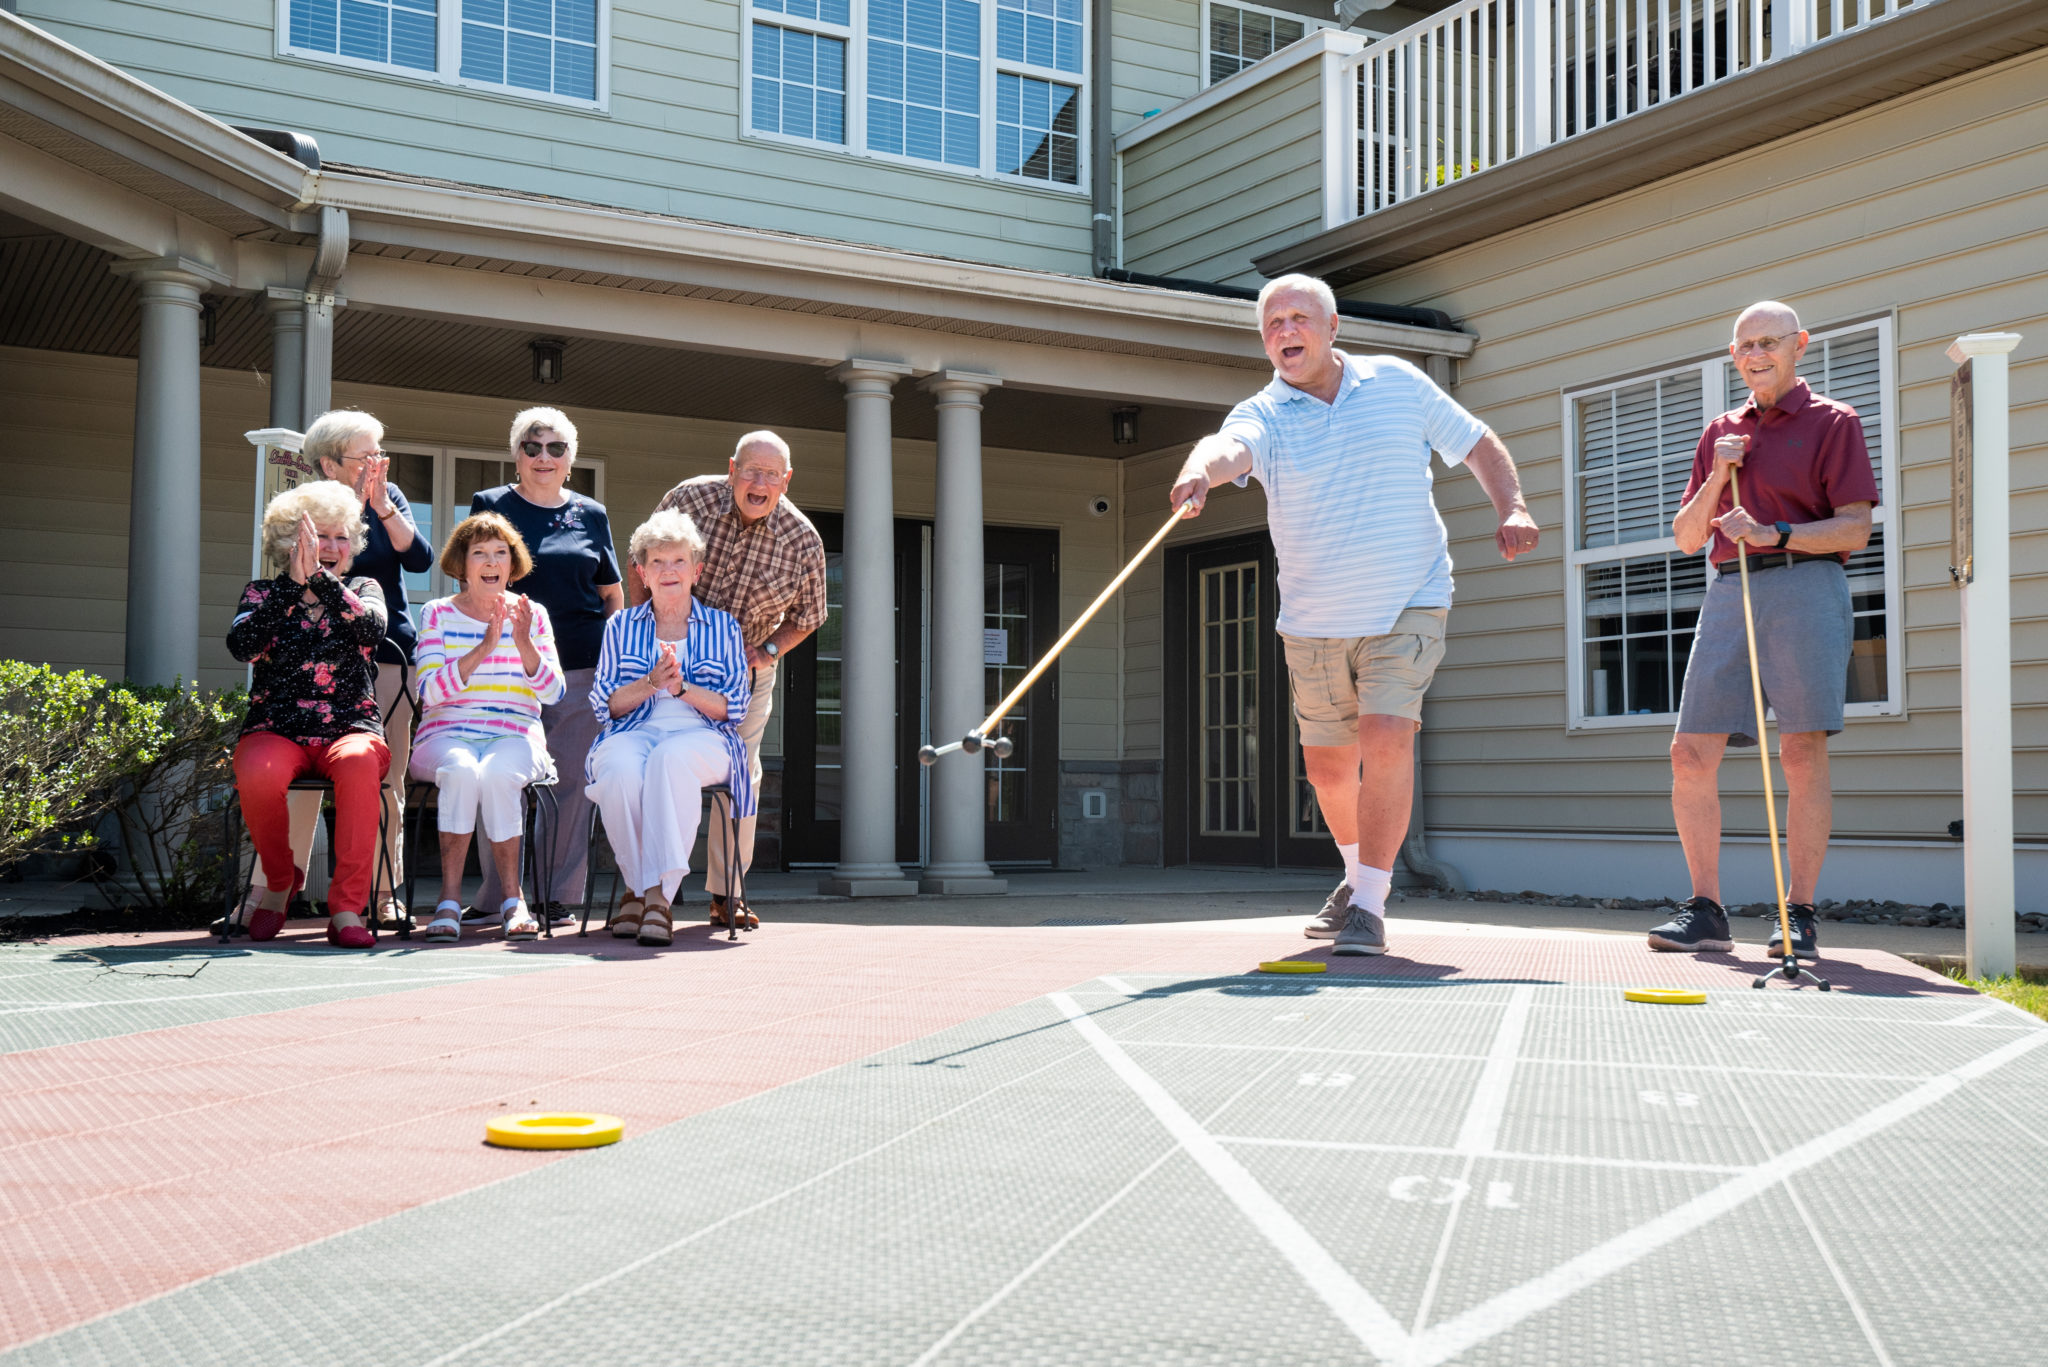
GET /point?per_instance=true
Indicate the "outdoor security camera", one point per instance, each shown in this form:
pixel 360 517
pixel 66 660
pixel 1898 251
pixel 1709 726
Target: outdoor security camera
pixel 1099 506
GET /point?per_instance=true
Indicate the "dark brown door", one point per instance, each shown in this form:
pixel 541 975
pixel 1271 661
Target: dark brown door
pixel 1020 621
pixel 1234 788
pixel 811 744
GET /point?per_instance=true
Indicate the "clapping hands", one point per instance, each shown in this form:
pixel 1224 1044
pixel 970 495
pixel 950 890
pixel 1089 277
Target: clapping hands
pixel 304 562
pixel 667 674
pixel 373 485
pixel 521 617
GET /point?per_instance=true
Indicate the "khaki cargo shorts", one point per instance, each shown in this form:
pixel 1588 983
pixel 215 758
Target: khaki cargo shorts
pixel 1335 678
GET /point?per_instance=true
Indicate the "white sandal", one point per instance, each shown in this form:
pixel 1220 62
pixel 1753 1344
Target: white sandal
pixel 446 927
pixel 519 922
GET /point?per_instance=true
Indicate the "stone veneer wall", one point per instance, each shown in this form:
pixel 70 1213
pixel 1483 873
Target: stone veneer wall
pixel 1128 832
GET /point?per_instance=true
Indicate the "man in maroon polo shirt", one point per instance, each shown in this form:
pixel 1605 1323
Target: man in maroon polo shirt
pixel 1807 492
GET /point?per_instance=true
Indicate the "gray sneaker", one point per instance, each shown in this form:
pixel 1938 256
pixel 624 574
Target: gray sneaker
pixel 1330 919
pixel 1364 933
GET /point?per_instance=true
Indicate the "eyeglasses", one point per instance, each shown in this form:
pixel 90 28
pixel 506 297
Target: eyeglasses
pixel 358 460
pixel 1755 344
pixel 757 475
pixel 557 449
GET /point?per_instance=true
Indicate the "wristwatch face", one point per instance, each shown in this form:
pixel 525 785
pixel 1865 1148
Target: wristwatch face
pixel 769 649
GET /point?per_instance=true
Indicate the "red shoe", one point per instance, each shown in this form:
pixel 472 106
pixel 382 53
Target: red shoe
pixel 264 924
pixel 346 937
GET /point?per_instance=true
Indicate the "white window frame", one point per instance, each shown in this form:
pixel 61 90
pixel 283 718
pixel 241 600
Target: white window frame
pixel 1309 22
pixel 443 460
pixel 1712 371
pixel 854 33
pixel 448 59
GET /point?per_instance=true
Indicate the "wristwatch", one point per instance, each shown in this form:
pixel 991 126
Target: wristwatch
pixel 1784 534
pixel 770 649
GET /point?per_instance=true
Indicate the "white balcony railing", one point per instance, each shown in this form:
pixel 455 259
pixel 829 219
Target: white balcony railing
pixel 1486 81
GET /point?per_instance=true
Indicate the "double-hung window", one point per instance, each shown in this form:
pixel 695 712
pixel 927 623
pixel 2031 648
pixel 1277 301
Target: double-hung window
pixel 1235 36
pixel 1633 599
pixel 546 49
pixel 985 87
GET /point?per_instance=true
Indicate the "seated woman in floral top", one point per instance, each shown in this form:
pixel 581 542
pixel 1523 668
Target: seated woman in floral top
pixel 486 666
pixel 312 635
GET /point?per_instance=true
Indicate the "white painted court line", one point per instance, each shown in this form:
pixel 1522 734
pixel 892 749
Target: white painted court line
pixel 1119 985
pixel 1490 1094
pixel 1502 1155
pixel 1646 1065
pixel 549 1306
pixel 1365 1317
pixel 1503 1312
pixel 44 1007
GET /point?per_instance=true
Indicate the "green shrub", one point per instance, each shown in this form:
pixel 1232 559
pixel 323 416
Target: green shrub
pixel 67 743
pixel 169 799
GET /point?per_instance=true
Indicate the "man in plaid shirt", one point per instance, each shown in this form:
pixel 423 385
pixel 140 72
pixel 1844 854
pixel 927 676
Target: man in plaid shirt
pixel 765 564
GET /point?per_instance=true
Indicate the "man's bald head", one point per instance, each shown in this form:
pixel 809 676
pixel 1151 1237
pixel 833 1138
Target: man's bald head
pixel 1767 316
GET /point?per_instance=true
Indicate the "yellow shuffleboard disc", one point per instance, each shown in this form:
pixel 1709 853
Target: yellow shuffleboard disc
pixel 1666 996
pixel 554 1130
pixel 1294 966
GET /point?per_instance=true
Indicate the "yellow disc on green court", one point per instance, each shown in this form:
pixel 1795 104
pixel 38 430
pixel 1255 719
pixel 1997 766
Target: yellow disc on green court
pixel 554 1130
pixel 1666 996
pixel 1294 966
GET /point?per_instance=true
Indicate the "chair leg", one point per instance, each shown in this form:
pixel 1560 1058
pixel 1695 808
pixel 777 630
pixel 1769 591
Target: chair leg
pixel 735 895
pixel 545 816
pixel 236 885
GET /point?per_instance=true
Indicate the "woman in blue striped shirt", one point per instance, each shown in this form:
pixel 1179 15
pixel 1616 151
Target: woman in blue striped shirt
pixel 672 684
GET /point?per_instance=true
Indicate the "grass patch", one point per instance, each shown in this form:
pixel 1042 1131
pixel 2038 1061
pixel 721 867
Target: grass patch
pixel 2027 996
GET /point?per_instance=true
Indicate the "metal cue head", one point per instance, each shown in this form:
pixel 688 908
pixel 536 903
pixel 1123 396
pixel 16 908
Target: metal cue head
pixel 927 756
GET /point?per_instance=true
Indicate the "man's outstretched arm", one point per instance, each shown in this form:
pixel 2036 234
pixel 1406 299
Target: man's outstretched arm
pixel 1494 468
pixel 1215 460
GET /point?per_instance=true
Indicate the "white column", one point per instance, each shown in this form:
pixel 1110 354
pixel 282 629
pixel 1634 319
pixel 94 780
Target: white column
pixel 871 748
pixel 959 798
pixel 1535 70
pixel 164 537
pixel 1988 881
pixel 287 310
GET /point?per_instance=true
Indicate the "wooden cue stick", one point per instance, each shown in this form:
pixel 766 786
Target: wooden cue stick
pixel 1763 746
pixel 1024 685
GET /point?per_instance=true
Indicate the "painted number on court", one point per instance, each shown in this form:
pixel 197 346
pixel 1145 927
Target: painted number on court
pixel 1325 1079
pixel 1445 1191
pixel 1682 1100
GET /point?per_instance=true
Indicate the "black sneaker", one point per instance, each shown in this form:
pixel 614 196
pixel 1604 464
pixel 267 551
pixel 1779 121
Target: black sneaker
pixel 1700 924
pixel 1803 939
pixel 559 914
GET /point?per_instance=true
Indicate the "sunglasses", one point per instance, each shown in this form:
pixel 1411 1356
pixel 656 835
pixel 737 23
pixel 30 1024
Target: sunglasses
pixel 557 449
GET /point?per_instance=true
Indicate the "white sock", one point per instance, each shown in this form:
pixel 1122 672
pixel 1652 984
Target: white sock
pixel 1352 868
pixel 1369 889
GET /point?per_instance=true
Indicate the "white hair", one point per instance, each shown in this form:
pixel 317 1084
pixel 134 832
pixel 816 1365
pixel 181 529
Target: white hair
pixel 1306 284
pixel 1771 308
pixel 332 433
pixel 331 504
pixel 762 438
pixel 665 528
pixel 527 419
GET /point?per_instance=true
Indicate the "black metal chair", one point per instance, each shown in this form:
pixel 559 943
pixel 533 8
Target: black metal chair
pixel 540 814
pixel 736 871
pixel 238 886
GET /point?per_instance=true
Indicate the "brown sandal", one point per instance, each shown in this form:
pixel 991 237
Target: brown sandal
pixel 657 928
pixel 740 913
pixel 625 922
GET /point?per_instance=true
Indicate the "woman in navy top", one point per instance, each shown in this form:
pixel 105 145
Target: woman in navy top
pixel 576 578
pixel 345 446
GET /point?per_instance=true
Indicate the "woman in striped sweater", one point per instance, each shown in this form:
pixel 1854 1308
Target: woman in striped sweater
pixel 485 665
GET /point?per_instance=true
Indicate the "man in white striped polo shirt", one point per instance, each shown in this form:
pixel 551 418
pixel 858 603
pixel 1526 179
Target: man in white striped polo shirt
pixel 1341 446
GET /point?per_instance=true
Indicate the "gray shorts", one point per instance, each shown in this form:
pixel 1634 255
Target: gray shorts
pixel 1803 630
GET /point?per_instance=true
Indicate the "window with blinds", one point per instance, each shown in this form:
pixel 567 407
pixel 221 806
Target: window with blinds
pixel 1636 598
pixel 1239 35
pixel 552 50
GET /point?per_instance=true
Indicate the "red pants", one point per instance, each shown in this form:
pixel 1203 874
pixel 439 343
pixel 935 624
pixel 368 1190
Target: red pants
pixel 266 764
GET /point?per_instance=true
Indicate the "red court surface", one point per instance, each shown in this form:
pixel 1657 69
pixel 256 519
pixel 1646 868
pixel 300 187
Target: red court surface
pixel 140 1162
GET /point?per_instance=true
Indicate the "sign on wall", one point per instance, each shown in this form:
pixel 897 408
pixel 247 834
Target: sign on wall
pixel 1960 440
pixel 279 467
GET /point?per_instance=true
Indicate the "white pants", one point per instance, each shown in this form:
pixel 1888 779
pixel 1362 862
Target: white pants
pixel 649 784
pixel 473 775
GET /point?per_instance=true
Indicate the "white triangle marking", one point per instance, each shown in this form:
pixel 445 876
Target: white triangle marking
pixel 1369 1321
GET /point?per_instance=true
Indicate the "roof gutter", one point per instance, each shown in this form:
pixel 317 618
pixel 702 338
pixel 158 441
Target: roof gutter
pixel 1435 319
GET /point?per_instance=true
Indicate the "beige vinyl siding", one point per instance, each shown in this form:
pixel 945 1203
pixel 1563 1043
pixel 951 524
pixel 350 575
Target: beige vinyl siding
pixel 1156 55
pixel 1932 209
pixel 65 532
pixel 1203 198
pixel 670 142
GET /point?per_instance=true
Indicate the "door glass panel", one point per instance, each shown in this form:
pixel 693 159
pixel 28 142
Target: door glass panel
pixel 1228 667
pixel 1006 657
pixel 829 707
pixel 413 474
pixel 1306 817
